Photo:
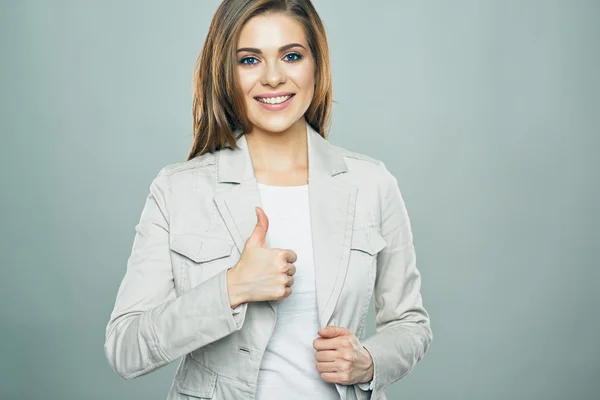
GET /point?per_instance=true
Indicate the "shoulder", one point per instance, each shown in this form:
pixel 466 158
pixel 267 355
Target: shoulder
pixel 353 155
pixel 366 166
pixel 185 167
pixel 180 175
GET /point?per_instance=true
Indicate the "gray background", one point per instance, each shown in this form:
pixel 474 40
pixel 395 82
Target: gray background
pixel 487 112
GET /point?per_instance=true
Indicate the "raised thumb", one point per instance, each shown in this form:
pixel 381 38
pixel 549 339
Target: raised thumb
pixel 258 238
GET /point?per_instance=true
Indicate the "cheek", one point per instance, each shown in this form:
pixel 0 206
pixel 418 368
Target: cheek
pixel 304 77
pixel 247 80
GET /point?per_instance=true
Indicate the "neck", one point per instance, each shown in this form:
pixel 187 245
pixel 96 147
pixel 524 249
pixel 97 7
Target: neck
pixel 279 151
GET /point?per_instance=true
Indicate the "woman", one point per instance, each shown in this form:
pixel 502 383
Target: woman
pixel 256 259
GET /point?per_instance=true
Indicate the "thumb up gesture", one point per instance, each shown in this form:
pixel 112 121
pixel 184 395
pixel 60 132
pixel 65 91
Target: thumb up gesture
pixel 261 273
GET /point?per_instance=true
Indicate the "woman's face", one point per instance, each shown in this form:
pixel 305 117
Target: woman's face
pixel 276 71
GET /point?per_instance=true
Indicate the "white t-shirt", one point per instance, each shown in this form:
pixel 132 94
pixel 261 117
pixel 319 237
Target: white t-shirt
pixel 288 369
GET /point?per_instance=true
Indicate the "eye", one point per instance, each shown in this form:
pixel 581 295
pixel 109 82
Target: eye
pixel 243 60
pixel 294 57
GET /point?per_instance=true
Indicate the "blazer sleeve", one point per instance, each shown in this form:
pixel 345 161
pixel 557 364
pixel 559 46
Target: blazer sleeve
pixel 150 326
pixel 403 332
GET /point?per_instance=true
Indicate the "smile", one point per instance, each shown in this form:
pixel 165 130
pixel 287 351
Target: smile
pixel 275 103
pixel 274 100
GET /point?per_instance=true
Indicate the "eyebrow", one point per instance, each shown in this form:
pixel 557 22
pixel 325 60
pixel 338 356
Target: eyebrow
pixel 281 49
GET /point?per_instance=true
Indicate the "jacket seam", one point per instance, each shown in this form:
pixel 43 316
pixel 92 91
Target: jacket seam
pixel 170 172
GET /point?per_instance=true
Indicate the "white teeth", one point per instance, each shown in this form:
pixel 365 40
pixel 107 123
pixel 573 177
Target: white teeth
pixel 273 100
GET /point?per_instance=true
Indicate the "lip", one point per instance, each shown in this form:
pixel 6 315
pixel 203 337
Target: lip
pixel 276 107
pixel 278 94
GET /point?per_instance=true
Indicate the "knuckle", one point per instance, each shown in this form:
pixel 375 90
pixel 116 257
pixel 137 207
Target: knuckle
pixel 281 255
pixel 281 292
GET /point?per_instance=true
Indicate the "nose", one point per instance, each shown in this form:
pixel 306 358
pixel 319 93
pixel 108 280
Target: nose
pixel 273 74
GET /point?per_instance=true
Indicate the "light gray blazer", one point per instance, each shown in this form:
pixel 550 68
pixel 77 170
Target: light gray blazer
pixel 173 299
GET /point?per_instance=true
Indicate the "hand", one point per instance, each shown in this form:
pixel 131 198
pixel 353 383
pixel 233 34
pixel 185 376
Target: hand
pixel 341 358
pixel 261 273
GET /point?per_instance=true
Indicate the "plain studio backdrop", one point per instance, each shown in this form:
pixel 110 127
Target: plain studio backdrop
pixel 487 112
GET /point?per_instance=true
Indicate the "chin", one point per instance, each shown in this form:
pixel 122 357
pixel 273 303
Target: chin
pixel 273 124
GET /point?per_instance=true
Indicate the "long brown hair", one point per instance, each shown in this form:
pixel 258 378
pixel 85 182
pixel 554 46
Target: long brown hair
pixel 218 107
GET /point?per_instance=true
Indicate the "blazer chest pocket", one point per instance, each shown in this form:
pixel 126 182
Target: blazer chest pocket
pixel 362 272
pixel 203 256
pixel 367 241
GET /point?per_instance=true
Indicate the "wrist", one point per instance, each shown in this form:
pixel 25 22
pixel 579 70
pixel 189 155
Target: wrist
pixel 371 367
pixel 234 290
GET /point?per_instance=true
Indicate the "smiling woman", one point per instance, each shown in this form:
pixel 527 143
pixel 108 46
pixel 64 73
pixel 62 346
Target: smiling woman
pixel 255 260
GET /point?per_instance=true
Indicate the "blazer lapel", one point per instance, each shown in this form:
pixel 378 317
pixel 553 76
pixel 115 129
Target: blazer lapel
pixel 332 205
pixel 237 193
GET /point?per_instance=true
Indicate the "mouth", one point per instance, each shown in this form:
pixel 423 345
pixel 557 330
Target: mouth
pixel 274 100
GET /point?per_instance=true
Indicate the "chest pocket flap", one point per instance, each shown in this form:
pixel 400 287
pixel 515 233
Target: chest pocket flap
pixel 200 248
pixel 368 240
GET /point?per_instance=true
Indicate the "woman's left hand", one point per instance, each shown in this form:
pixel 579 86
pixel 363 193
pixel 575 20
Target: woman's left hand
pixel 341 358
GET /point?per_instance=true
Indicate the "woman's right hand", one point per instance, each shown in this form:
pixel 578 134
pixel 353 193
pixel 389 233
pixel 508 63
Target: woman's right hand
pixel 261 273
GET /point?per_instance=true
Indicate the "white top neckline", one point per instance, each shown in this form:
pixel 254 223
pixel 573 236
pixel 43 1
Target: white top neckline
pixel 278 187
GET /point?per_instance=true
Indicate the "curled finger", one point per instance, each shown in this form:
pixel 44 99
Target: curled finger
pixel 291 269
pixel 290 281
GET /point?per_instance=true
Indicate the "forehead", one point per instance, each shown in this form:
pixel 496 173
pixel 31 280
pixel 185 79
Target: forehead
pixel 270 31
